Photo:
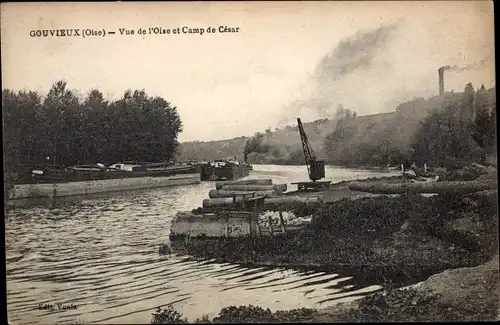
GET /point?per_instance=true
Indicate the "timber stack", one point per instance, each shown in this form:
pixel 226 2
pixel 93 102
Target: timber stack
pixel 240 208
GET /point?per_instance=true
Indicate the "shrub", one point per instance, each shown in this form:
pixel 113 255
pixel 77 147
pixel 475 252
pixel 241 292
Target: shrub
pixel 167 316
pixel 244 314
pixel 203 320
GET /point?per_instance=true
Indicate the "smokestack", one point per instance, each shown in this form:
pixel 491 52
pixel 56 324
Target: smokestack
pixel 441 81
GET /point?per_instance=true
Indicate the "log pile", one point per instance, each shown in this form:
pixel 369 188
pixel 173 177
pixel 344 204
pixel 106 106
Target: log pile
pixel 230 193
pixel 461 187
pixel 234 209
pixel 235 193
pixel 219 185
pixel 232 201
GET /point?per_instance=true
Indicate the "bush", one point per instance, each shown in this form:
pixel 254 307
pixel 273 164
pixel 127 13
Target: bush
pixel 203 320
pixel 468 173
pixel 244 314
pixel 168 316
pixel 255 314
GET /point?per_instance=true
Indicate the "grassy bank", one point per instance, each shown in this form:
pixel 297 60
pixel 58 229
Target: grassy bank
pixel 421 234
pixel 397 241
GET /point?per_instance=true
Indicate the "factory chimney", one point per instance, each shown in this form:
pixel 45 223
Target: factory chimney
pixel 441 81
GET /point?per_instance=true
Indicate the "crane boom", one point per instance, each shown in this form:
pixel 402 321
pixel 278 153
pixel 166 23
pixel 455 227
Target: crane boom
pixel 308 152
pixel 315 168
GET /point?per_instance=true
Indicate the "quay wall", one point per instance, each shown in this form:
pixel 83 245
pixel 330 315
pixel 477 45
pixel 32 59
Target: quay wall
pixel 24 191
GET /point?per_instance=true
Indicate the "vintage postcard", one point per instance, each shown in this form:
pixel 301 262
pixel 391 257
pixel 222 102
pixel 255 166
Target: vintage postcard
pixel 249 162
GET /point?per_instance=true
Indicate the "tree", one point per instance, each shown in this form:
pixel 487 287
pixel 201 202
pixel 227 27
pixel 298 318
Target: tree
pixel 135 127
pixel 23 130
pixel 343 131
pixel 61 110
pixel 94 128
pixel 445 134
pixel 467 105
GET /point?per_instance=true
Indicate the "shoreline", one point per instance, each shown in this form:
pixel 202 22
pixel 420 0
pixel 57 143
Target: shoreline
pixel 461 294
pixel 423 241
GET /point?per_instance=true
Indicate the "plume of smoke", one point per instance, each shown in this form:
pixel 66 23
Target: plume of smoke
pixel 352 55
pixel 270 148
pixel 256 144
pixel 473 66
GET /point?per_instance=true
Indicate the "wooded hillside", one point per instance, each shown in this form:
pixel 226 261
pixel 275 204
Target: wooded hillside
pixel 375 140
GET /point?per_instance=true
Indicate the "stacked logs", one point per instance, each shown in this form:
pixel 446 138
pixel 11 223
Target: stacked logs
pixel 249 187
pixel 232 193
pixel 229 193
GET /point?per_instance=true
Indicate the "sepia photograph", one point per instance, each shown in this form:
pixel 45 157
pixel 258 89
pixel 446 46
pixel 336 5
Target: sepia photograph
pixel 249 162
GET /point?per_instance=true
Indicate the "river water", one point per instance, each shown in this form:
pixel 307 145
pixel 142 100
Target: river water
pixel 100 254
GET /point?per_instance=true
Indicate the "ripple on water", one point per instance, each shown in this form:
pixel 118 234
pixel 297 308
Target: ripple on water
pixel 101 254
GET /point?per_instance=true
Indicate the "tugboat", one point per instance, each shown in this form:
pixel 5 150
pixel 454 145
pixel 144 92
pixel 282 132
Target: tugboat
pixel 224 170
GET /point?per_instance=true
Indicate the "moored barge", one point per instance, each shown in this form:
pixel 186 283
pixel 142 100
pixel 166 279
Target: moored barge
pixel 220 170
pixel 91 179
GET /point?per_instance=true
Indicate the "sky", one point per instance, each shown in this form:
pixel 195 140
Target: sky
pixel 288 60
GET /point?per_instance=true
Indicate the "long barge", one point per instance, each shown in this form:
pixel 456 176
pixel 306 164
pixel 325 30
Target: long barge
pixel 54 183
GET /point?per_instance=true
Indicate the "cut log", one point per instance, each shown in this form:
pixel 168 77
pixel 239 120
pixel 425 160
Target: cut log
pixel 292 199
pixel 226 193
pixel 425 187
pixel 222 201
pixel 229 201
pixel 277 187
pixel 218 185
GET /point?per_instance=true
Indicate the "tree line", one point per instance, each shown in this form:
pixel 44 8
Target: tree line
pixel 62 130
pixel 464 129
pixel 460 126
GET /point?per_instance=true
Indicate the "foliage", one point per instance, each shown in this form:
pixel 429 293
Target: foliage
pixel 167 316
pixel 244 314
pixel 463 130
pixel 465 173
pixel 368 233
pixel 417 130
pixel 366 140
pixel 255 314
pixel 484 126
pixel 60 130
pixel 203 320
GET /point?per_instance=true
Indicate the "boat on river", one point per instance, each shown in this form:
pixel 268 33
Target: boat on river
pixel 96 178
pixel 224 169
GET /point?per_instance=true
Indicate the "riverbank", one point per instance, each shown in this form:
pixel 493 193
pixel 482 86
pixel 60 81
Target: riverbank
pixel 395 240
pixel 428 234
pixel 463 294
